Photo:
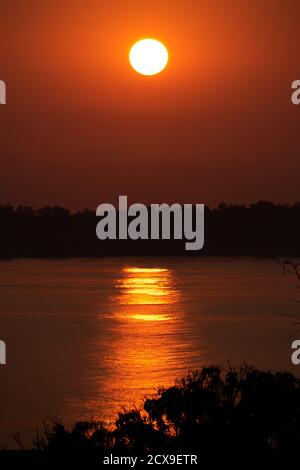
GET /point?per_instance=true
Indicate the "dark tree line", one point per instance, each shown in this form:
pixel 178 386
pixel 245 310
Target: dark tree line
pixel 263 228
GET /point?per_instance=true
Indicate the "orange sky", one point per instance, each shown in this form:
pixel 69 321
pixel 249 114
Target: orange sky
pixel 81 127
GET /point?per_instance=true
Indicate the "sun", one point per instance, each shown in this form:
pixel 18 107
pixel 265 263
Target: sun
pixel 148 56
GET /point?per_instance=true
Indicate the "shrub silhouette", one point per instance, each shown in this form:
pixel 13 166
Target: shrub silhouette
pixel 210 412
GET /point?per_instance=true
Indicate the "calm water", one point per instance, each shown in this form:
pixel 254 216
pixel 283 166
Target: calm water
pixel 86 337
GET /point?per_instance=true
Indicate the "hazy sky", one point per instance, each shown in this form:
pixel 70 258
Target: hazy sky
pixel 81 127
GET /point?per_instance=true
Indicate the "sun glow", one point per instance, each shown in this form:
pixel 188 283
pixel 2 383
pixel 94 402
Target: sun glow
pixel 148 57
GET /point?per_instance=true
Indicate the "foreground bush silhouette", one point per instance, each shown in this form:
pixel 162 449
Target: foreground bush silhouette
pixel 210 412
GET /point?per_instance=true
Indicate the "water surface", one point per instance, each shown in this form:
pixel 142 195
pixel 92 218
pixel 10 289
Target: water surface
pixel 87 337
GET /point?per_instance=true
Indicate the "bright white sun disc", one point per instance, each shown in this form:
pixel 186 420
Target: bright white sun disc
pixel 148 56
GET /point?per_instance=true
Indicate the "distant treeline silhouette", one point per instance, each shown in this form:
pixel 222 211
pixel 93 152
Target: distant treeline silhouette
pixel 211 413
pixel 263 228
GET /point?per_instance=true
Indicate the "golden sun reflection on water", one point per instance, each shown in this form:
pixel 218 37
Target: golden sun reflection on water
pixel 142 291
pixel 147 339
